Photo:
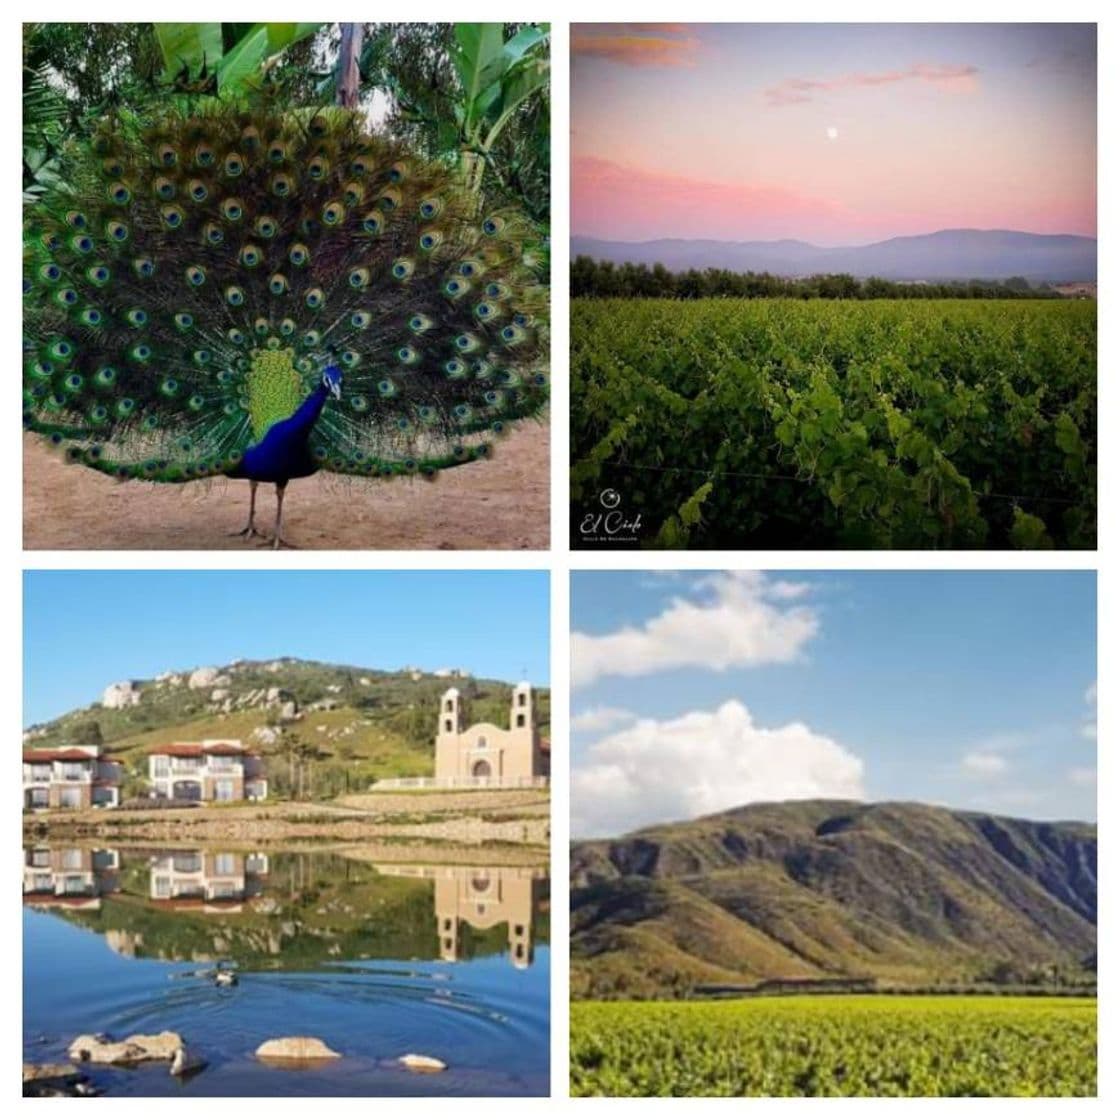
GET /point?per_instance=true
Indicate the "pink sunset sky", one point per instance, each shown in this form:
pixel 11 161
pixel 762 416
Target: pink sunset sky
pixel 835 134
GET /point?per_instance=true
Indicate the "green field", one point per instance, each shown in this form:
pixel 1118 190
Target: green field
pixel 837 423
pixel 916 1046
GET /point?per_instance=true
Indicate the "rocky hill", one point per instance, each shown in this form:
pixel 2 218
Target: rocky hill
pixel 353 725
pixel 904 893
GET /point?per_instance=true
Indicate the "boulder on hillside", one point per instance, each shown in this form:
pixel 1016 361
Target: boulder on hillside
pixel 123 694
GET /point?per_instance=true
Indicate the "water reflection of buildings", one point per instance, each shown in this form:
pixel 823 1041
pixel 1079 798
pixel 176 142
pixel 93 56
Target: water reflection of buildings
pixel 482 897
pixel 74 878
pixel 194 879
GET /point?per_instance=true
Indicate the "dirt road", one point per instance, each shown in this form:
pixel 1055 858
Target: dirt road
pixel 496 503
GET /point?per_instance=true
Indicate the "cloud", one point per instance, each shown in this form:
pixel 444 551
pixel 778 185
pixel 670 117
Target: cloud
pixel 1089 730
pixel 794 91
pixel 619 201
pixel 599 719
pixel 983 765
pixel 1091 693
pixel 703 762
pixel 636 44
pixel 730 620
pixel 1083 775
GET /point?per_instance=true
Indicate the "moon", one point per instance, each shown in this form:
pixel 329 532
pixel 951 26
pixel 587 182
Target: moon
pixel 832 132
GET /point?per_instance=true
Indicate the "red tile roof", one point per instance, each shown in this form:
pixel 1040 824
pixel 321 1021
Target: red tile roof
pixel 47 755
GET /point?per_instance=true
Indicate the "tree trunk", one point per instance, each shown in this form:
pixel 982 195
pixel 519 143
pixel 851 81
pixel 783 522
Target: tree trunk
pixel 347 83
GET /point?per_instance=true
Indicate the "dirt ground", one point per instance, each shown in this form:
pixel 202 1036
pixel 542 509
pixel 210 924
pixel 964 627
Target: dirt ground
pixel 500 502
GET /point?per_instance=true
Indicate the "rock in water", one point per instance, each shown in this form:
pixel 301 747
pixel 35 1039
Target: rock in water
pixel 421 1063
pixel 54 1079
pixel 101 1050
pixel 185 1063
pixel 296 1051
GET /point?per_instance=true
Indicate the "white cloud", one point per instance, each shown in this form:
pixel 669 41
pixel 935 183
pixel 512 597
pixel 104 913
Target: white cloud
pixel 1091 693
pixel 1089 730
pixel 1083 775
pixel 729 619
pixel 983 765
pixel 599 719
pixel 702 762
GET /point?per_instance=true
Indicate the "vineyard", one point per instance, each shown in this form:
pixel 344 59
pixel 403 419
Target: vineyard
pixel 787 423
pixel 934 1046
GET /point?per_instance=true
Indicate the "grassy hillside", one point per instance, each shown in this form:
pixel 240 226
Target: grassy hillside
pixel 354 725
pixel 906 893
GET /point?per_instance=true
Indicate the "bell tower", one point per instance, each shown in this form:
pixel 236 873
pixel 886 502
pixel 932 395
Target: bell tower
pixel 521 717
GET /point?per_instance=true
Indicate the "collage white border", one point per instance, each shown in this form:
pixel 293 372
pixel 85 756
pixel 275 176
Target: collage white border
pixel 559 560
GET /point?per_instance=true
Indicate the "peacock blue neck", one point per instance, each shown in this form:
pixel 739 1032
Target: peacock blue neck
pixel 282 453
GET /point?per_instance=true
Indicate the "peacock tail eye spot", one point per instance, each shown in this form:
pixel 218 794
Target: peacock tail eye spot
pixel 465 342
pixel 261 326
pixel 430 240
pixel 287 327
pixel 76 219
pixel 360 166
pixel 28 286
pixel 430 208
pixel 454 368
pixel 407 355
pixel 266 226
pixel 232 209
pixel 484 311
pixel 233 165
pixel 497 290
pixel 91 317
pixel 201 357
pixel 314 298
pixel 277 151
pixel 164 189
pixel 172 217
pixel 372 223
pixel 350 358
pixel 81 243
pixel 230 409
pixel 250 256
pixel 299 255
pixel 360 320
pixel 398 173
pixel 112 167
pixel 51 273
pixel 402 268
pixel 66 296
pixel 462 411
pixel 236 336
pixel 492 226
pixel 61 349
pixel 492 396
pixel 386 388
pixel 539 379
pixel 469 268
pixel 427 413
pixel 353 193
pixel 250 138
pixel 333 213
pixel 167 155
pixel 142 352
pixel 136 316
pixel 105 377
pixel 119 193
pixel 455 288
pixel 389 199
pixel 51 242
pixel 317 168
pixel 305 365
pixel 311 339
pixel 198 190
pixel 98 274
pixel 116 231
pixel 359 403
pixel 281 186
pixel 196 276
pixel 214 234
pixel 98 415
pixel 204 155
pixel 235 296
pixel 418 324
pixel 169 386
pixel 512 334
pixel 522 320
pixel 278 284
pixel 404 425
pixel 42 370
pixel 73 382
pixel 125 407
pixel 359 278
pixel 195 405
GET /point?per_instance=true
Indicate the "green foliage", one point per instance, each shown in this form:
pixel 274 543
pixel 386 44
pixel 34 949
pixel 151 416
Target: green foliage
pixel 837 1046
pixel 900 424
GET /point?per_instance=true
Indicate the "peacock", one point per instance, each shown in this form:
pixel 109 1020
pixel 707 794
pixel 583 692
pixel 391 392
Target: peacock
pixel 261 294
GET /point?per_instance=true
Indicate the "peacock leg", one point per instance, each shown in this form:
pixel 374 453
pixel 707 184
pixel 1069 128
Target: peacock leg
pixel 277 539
pixel 250 530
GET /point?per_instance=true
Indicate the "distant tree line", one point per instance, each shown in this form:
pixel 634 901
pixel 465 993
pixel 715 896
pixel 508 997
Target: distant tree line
pixel 635 281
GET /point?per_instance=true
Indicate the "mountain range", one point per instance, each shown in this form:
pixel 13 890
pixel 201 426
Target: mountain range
pixel 949 254
pixel 903 893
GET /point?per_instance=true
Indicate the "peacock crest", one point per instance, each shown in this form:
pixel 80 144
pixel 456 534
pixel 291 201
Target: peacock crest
pixel 192 278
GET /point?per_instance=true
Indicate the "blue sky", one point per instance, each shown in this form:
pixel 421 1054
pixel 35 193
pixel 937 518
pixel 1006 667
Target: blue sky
pixel 84 630
pixel 696 691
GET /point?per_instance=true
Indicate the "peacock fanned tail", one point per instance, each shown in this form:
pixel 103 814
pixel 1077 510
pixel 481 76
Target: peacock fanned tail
pixel 189 281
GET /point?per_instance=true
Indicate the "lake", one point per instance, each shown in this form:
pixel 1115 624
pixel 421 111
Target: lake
pixel 377 960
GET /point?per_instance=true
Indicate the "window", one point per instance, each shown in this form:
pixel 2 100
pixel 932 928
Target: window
pixel 74 884
pixel 41 857
pixel 482 742
pixel 449 706
pixel 521 699
pixel 40 798
pixel 70 798
pixel 520 719
pixel 72 859
pixel 225 863
pixel 161 887
pixel 223 790
pixel 447 725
